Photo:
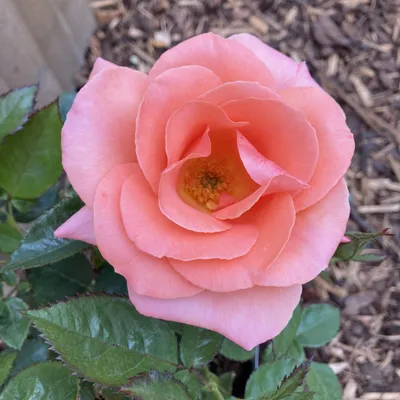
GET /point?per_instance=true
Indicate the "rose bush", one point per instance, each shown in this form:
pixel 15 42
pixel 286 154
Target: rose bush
pixel 214 184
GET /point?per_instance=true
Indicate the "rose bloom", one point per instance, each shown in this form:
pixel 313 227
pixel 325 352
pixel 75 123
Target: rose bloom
pixel 214 184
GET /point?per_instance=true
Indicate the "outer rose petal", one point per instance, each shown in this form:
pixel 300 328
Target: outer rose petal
pixel 279 132
pixel 336 142
pixel 228 59
pixel 154 234
pixel 145 274
pixel 314 239
pixel 100 65
pixel 99 131
pixel 166 94
pixel 274 216
pixel 287 72
pixel 78 227
pixel 236 91
pixel 247 317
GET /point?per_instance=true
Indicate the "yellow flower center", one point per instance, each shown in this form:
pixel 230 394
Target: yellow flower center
pixel 206 179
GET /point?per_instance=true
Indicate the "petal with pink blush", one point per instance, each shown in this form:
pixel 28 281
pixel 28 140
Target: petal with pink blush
pixel 279 132
pixel 99 132
pixel 189 122
pixel 314 239
pixel 155 234
pixel 336 142
pixel 271 177
pixel 236 91
pixel 172 205
pixel 274 216
pixel 287 72
pixel 230 60
pixel 247 317
pixel 100 65
pixel 170 91
pixel 147 275
pixel 78 227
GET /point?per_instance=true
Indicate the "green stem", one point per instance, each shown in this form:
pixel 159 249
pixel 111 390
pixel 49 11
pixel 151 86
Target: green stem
pixel 11 219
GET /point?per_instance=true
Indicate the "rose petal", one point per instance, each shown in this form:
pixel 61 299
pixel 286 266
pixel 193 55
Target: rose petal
pixel 145 274
pixel 336 142
pixel 99 131
pixel 78 227
pixel 287 72
pixel 314 239
pixel 272 179
pixel 274 216
pixel 237 91
pixel 166 94
pixel 279 132
pixel 230 60
pixel 100 65
pixel 154 234
pixel 189 122
pixel 247 317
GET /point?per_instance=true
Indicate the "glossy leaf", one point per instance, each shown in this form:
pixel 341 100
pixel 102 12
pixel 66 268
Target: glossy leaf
pixel 105 339
pixel 266 379
pixel 7 359
pixel 64 104
pixel 157 386
pixel 290 383
pixel 13 325
pixel 191 381
pixel 234 352
pixel 65 278
pixel 33 351
pixel 9 277
pixel 109 281
pixel 323 382
pixel 28 210
pixel 10 238
pixel 46 381
pixel 30 160
pixel 199 346
pixel 15 106
pixel 39 246
pixel 296 352
pixel 319 324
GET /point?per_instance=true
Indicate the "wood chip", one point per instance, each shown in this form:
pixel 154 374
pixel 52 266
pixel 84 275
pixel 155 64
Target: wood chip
pixel 362 90
pixel 379 209
pixel 258 24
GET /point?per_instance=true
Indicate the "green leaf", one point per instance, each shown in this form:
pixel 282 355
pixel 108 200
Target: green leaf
pixel 319 324
pixel 13 326
pixel 105 339
pixel 109 394
pixel 46 381
pixel 65 278
pixel 65 103
pixel 33 351
pixel 15 106
pixel 290 383
pixel 7 359
pixel 191 381
pixel 157 386
pixel 234 352
pixel 369 258
pixel 266 379
pixel 296 352
pixel 109 281
pixel 39 246
pixel 87 391
pixel 28 210
pixel 226 381
pixel 10 238
pixel 199 346
pixel 9 277
pixel 323 382
pixel 301 396
pixel 30 160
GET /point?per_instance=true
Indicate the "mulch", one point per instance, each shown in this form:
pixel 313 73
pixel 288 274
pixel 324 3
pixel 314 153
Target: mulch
pixel 352 48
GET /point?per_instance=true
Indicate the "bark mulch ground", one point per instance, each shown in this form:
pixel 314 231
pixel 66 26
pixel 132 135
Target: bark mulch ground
pixel 352 48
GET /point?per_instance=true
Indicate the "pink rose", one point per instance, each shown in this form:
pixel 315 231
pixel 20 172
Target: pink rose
pixel 214 184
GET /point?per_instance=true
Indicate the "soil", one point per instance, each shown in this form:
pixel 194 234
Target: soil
pixel 352 48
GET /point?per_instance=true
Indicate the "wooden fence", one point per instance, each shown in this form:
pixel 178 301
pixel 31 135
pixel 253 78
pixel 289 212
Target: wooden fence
pixel 43 41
